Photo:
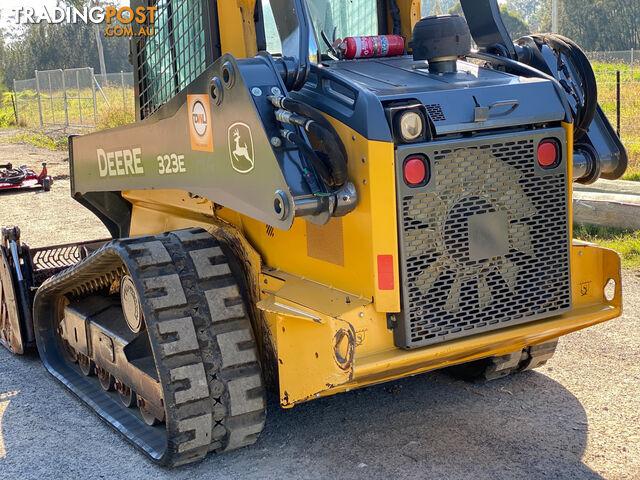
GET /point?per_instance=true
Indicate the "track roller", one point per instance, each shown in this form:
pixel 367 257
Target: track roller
pixel 107 382
pixel 87 366
pixel 127 396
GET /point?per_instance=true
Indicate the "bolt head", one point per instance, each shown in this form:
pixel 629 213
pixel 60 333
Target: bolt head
pixel 256 91
pixel 275 91
pixel 276 142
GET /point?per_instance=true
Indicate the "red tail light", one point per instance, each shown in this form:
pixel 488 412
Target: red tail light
pixel 415 171
pixel 548 154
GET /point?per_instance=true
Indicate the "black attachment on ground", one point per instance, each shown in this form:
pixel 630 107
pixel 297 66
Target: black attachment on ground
pixel 12 176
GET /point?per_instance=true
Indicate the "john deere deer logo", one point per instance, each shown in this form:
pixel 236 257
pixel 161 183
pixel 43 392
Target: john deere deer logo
pixel 241 147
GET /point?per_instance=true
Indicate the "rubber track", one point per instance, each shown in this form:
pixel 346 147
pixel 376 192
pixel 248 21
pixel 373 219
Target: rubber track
pixel 201 337
pixel 492 368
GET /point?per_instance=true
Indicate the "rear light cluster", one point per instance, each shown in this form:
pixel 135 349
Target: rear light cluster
pixel 417 172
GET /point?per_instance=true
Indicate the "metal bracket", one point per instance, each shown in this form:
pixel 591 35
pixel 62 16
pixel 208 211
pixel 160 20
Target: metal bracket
pixel 481 114
pixel 487 27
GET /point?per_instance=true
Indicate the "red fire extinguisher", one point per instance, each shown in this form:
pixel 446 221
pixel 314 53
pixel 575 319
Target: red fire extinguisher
pixel 372 46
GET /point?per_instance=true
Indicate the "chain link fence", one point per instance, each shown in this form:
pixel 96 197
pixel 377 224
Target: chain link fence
pixel 73 97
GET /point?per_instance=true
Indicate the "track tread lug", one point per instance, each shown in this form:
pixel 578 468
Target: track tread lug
pixel 195 378
pixel 183 331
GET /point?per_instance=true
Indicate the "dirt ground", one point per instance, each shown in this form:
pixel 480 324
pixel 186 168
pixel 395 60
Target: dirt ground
pixel 46 218
pixel 577 417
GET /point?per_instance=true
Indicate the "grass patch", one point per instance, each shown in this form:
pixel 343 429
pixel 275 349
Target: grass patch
pixel 625 242
pixel 7 115
pixel 115 117
pixel 41 140
pixel 633 175
pixel 629 107
pixel 80 107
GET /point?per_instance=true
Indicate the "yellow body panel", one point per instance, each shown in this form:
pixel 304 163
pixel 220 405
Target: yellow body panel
pixel 410 14
pixel 367 232
pixel 300 318
pixel 241 43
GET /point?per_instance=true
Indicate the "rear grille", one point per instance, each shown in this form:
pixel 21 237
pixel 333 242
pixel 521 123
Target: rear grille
pixel 485 244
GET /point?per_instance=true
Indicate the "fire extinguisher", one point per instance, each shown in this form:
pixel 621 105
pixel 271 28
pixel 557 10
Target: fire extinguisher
pixel 372 46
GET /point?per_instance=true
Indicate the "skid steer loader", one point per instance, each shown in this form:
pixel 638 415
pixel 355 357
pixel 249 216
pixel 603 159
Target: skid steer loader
pixel 318 196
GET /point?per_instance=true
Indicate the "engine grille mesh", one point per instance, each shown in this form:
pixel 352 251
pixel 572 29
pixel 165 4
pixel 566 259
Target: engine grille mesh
pixel 485 245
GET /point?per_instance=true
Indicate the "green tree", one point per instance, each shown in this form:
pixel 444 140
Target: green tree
pixel 428 6
pixel 531 11
pixel 598 24
pixel 51 46
pixel 457 10
pixel 515 24
pixel 437 9
pixel 592 24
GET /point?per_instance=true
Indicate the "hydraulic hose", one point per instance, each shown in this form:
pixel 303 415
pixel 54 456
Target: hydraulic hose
pixel 334 155
pixel 327 136
pixel 311 156
pixel 585 110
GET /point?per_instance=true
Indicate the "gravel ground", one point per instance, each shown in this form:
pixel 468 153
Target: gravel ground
pixel 577 417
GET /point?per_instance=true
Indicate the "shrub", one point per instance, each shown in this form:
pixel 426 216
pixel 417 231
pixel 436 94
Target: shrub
pixel 114 117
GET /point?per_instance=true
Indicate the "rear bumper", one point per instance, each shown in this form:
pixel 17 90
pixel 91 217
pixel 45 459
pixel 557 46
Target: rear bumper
pixel 399 363
pixel 307 331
